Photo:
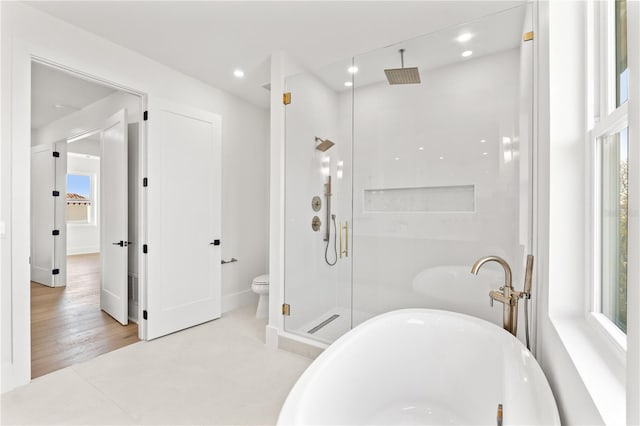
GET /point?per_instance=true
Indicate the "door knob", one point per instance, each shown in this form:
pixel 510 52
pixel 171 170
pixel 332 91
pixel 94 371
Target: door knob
pixel 215 243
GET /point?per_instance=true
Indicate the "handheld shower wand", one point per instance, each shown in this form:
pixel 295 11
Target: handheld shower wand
pixel 327 194
pixel 330 217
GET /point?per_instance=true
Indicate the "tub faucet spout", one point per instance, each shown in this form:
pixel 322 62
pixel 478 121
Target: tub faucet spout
pixel 507 295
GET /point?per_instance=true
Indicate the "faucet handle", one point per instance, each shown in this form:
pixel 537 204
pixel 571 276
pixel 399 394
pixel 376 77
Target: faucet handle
pixel 490 301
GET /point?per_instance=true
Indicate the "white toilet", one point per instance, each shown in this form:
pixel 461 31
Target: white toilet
pixel 260 286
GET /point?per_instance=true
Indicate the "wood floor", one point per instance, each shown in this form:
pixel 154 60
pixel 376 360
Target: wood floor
pixel 67 325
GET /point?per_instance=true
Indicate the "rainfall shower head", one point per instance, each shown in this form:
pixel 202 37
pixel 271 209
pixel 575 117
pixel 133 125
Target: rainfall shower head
pixel 323 145
pixel 402 75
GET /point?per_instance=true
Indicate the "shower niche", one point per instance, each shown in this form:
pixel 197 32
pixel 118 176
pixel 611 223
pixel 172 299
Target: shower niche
pixel 420 179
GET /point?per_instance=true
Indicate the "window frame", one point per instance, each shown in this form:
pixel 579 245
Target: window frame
pixel 92 216
pixel 604 118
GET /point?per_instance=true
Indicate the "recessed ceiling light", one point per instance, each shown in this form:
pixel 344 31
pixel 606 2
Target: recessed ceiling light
pixel 485 153
pixel 348 83
pixel 352 69
pixel 464 37
pixel 483 140
pixel 442 158
pixel 397 158
pixel 238 73
pixel 467 53
pixel 421 148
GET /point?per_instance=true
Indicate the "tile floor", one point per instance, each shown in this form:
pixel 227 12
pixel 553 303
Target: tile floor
pixel 213 374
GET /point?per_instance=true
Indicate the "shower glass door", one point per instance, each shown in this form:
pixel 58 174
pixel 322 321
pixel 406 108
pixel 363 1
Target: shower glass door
pixel 442 168
pixel 318 217
pixel 425 177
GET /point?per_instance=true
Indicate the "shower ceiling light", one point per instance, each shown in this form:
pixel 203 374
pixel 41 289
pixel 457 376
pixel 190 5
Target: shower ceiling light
pixel 352 69
pixel 238 73
pixel 348 83
pixel 467 53
pixel 464 37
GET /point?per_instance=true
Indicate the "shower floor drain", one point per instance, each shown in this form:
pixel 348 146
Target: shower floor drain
pixel 323 323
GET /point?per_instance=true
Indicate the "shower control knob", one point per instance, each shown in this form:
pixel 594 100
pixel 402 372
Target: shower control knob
pixel 316 203
pixel 316 223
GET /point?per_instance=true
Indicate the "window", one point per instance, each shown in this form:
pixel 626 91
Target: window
pixel 613 227
pixel 79 198
pixel 622 78
pixel 610 144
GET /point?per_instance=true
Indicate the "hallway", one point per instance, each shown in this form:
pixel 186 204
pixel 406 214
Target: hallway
pixel 67 325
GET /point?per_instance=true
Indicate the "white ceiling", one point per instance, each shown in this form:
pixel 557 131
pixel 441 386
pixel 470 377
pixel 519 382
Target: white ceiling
pixel 50 87
pixel 491 34
pixel 209 39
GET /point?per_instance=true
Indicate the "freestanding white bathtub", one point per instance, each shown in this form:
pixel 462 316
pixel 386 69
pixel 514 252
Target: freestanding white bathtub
pixel 422 366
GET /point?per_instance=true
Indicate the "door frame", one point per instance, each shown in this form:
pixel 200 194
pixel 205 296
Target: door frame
pixel 17 370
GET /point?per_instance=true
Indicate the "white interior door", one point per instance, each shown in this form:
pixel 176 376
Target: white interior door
pixel 60 215
pixel 48 221
pixel 42 215
pixel 113 217
pixel 183 211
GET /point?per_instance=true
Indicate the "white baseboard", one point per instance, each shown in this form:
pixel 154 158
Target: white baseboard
pixel 236 300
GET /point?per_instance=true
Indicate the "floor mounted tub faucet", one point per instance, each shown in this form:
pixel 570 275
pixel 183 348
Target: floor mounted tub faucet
pixel 507 295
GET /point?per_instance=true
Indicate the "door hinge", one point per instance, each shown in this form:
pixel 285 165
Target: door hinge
pixel 56 154
pixel 55 271
pixel 145 115
pixel 286 309
pixel 145 182
pixel 286 98
pixel 528 36
pixel 55 232
pixel 145 248
pixel 56 193
pixel 144 314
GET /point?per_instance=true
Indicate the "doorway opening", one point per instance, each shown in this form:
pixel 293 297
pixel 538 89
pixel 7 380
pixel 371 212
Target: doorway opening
pixel 85 139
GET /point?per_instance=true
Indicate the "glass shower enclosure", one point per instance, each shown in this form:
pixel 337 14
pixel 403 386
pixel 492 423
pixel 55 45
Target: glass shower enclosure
pixel 392 191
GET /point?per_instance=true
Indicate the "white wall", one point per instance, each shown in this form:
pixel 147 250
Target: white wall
pixel 85 237
pixel 27 31
pixel 447 116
